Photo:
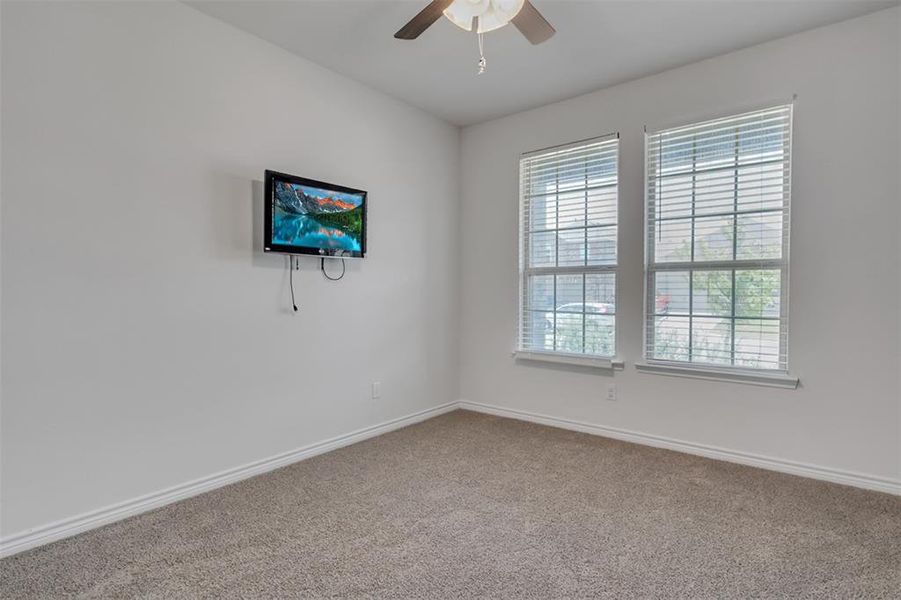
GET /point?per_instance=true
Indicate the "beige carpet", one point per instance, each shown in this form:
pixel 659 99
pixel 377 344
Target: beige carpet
pixel 472 506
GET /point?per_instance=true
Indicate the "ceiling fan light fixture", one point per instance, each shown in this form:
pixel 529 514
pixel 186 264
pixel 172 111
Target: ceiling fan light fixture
pixel 492 14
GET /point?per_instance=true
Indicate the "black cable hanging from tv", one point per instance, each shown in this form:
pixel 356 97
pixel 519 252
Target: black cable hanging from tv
pixel 339 277
pixel 293 263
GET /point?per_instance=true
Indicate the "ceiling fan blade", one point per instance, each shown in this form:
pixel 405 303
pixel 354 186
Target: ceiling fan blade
pixel 423 20
pixel 532 25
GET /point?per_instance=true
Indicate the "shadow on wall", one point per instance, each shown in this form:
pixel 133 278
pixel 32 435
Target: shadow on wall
pixel 562 367
pixel 233 236
pixel 260 258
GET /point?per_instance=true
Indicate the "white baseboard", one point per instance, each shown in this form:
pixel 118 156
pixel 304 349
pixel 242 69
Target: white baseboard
pixel 58 530
pixel 64 528
pixel 860 480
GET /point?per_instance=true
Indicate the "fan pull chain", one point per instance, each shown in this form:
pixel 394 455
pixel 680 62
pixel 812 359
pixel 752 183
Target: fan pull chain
pixel 483 64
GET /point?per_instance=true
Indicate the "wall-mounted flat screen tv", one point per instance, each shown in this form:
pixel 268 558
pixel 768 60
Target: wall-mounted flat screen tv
pixel 304 216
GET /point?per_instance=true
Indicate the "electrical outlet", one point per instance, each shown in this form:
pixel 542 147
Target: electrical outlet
pixel 376 390
pixel 611 392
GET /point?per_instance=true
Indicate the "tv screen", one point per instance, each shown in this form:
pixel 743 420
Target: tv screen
pixel 304 216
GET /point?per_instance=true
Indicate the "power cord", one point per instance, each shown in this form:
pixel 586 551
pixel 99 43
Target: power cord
pixel 338 278
pixel 293 264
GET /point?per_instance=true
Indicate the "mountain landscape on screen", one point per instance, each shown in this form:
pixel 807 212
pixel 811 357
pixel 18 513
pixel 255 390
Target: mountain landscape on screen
pixel 316 218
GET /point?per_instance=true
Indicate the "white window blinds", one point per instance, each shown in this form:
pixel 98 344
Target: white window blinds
pixel 567 241
pixel 717 242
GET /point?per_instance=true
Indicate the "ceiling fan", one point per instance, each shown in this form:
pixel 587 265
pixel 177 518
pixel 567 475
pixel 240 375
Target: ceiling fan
pixel 481 16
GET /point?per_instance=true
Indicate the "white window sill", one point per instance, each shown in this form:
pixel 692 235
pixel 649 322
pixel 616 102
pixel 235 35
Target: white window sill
pixel 570 359
pixel 777 379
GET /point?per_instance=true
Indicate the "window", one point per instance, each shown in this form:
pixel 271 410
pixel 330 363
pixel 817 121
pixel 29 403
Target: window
pixel 717 242
pixel 567 241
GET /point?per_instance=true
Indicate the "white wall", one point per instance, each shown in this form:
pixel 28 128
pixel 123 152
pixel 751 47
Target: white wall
pixel 844 254
pixel 146 341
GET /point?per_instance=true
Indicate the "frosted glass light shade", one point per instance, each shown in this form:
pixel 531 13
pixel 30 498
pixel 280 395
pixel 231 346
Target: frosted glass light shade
pixel 492 14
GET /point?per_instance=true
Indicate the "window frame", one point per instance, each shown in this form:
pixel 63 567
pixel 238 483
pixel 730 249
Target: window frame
pixel 778 376
pixel 525 272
